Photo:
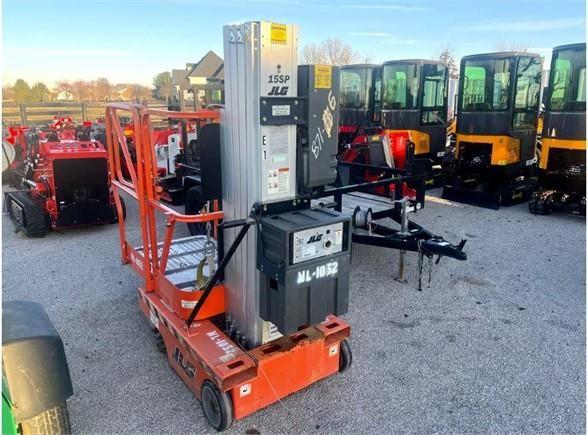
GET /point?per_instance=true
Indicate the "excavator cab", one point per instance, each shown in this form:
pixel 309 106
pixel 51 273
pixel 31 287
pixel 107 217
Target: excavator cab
pixel 358 96
pixel 562 165
pixel 414 99
pixel 498 110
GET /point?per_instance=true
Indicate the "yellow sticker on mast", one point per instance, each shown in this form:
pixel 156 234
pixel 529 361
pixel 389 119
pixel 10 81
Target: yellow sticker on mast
pixel 279 34
pixel 322 76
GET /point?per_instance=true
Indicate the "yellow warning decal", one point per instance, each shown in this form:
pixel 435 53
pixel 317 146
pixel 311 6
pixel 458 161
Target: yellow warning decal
pixel 322 76
pixel 279 34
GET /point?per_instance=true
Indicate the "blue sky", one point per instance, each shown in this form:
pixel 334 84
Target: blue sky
pixel 132 40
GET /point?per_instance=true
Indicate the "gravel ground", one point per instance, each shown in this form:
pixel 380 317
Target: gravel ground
pixel 494 344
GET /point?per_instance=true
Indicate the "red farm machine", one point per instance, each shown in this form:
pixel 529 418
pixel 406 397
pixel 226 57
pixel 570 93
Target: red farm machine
pixel 248 308
pixel 62 180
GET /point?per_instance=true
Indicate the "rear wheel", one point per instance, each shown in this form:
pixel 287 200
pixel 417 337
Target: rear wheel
pixel 52 421
pixel 217 406
pixel 194 204
pixel 345 356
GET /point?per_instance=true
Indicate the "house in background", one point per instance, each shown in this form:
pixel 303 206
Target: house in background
pixel 64 96
pixel 119 91
pixel 198 84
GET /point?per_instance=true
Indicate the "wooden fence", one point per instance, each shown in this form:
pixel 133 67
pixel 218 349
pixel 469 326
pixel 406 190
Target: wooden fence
pixel 43 113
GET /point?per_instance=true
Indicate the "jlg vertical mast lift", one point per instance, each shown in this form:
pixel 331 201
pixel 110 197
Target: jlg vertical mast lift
pixel 270 328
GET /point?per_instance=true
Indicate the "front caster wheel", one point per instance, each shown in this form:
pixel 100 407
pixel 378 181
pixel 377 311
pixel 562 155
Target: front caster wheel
pixel 217 406
pixel 345 356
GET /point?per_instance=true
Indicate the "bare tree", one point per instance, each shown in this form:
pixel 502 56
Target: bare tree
pixel 333 52
pixel 447 56
pixel 7 93
pixel 81 90
pixel 102 89
pixel 313 54
pixel 137 92
pixel 64 86
pixel 521 47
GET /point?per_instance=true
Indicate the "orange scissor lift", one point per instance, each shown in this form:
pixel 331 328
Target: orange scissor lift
pixel 230 382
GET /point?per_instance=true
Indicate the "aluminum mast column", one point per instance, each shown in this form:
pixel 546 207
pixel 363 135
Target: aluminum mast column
pixel 258 161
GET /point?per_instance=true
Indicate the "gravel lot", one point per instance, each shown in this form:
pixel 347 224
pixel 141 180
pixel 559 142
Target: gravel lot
pixel 494 344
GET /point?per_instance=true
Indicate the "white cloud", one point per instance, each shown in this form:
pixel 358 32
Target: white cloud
pixel 386 7
pixel 525 26
pixel 64 51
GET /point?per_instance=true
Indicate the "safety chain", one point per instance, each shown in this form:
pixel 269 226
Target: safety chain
pixel 208 259
pixel 420 264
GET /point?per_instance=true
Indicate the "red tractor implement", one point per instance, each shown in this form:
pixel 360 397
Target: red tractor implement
pixel 63 182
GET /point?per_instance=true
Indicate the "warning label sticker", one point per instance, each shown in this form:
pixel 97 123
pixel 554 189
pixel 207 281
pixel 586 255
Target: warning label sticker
pixel 322 76
pixel 278 180
pixel 279 34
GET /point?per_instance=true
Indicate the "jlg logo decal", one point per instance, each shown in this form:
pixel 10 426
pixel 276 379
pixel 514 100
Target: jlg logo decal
pixel 278 90
pixel 184 363
pixel 278 79
pixel 315 238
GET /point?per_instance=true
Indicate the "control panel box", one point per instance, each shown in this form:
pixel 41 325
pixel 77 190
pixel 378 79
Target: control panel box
pixel 304 257
pixel 317 242
pixel 318 86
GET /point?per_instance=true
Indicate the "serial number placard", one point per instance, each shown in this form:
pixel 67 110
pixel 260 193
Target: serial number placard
pixel 327 270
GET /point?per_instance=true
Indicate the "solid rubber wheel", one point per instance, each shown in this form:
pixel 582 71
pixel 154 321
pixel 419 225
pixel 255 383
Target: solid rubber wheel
pixel 52 421
pixel 345 356
pixel 217 406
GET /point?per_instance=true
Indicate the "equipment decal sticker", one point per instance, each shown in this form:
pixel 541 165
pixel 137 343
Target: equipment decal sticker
pixel 278 83
pixel 317 142
pixel 223 344
pixel 322 271
pixel 322 76
pixel 278 180
pixel 279 34
pixel 184 363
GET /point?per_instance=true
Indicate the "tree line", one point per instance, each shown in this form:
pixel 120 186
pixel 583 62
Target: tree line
pixel 331 51
pixel 100 89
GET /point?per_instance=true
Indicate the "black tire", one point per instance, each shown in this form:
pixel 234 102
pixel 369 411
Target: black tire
pixel 217 406
pixel 541 204
pixel 345 356
pixel 27 214
pixel 193 204
pixel 53 421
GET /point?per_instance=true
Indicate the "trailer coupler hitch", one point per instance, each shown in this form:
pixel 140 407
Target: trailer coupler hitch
pixel 442 248
pixel 416 239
